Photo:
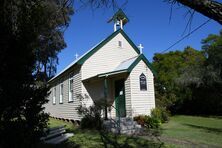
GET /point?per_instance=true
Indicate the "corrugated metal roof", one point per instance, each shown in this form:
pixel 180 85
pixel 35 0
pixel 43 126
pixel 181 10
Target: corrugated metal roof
pixel 125 64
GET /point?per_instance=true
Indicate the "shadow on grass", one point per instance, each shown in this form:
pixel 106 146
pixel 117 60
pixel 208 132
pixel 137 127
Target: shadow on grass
pixel 99 139
pixel 207 129
pixel 66 144
pixel 123 141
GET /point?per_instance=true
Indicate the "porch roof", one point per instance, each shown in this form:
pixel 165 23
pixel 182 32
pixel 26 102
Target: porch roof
pixel 124 67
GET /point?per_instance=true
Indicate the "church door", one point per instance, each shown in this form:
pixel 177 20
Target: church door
pixel 120 101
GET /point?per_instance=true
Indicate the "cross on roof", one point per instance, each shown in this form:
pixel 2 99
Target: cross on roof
pixel 76 55
pixel 141 48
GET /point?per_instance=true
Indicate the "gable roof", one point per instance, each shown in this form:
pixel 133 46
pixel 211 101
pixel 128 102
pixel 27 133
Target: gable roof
pixel 94 49
pixel 101 44
pixel 128 65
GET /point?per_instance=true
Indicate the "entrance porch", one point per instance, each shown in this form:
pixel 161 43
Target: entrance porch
pixel 113 91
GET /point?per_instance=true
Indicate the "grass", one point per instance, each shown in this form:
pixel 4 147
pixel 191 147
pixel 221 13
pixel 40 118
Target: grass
pixel 193 131
pixel 92 138
pixel 180 131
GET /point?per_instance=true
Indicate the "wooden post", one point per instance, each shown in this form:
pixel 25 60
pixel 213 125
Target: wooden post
pixel 105 96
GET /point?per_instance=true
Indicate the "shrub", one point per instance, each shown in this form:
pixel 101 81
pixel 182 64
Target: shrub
pixel 151 122
pixel 140 120
pixel 90 122
pixel 91 117
pixel 160 114
pixel 147 121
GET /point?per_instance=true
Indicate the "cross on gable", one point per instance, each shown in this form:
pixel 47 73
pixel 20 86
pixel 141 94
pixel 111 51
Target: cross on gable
pixel 141 48
pixel 76 55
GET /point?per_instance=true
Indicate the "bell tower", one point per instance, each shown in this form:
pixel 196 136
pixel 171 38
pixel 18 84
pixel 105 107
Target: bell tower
pixel 119 19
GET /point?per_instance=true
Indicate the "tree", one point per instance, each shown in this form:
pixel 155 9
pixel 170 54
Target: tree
pixel 169 67
pixel 31 36
pixel 209 8
pixel 190 82
pixel 205 81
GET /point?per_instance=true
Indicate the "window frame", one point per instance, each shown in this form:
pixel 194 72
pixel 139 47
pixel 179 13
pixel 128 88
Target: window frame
pixel 145 80
pixel 54 96
pixel 61 93
pixel 71 94
pixel 120 44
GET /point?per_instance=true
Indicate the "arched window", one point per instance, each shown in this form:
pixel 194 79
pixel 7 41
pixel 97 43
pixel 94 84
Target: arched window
pixel 143 85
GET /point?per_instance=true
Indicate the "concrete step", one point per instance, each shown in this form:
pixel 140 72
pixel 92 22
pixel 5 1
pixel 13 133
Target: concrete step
pixel 56 128
pixel 54 133
pixel 127 131
pixel 59 139
pixel 127 126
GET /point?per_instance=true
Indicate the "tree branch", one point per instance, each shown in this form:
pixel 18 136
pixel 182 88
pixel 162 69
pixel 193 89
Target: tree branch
pixel 209 8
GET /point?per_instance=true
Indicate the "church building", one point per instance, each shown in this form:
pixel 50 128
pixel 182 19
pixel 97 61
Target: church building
pixel 114 71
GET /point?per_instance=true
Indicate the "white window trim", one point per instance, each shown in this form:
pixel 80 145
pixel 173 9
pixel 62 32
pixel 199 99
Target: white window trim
pixel 61 92
pixel 71 95
pixel 54 96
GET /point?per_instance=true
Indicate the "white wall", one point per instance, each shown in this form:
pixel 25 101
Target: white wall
pixel 142 101
pixel 66 110
pixel 108 57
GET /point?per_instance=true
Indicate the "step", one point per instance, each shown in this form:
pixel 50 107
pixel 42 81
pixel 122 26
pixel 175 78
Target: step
pixel 126 131
pixel 54 133
pixel 56 128
pixel 59 139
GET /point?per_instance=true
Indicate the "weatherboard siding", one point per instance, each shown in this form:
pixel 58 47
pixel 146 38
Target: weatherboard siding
pixel 66 110
pixel 105 60
pixel 142 101
pixel 128 97
pixel 108 57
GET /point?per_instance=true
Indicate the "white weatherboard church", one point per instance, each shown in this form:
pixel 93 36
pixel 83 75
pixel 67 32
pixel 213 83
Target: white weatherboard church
pixel 115 71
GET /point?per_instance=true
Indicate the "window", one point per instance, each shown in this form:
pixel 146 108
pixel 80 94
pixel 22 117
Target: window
pixel 61 94
pixel 70 89
pixel 54 96
pixel 143 84
pixel 120 43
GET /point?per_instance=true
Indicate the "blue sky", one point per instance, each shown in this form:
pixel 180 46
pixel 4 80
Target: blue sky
pixel 149 25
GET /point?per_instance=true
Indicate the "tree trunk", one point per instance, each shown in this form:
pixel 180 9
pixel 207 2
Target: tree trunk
pixel 209 8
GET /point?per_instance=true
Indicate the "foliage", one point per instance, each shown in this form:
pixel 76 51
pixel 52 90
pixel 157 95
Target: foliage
pixel 91 115
pixel 152 122
pixel 31 35
pixel 169 67
pixel 148 121
pixel 140 119
pixel 205 81
pixel 161 114
pixel 91 118
pixel 157 117
pixel 190 81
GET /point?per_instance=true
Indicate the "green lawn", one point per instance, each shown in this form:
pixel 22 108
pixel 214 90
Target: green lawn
pixel 193 131
pixel 180 131
pixel 92 138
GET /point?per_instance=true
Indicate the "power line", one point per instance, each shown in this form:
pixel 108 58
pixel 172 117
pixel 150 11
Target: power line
pixel 186 36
